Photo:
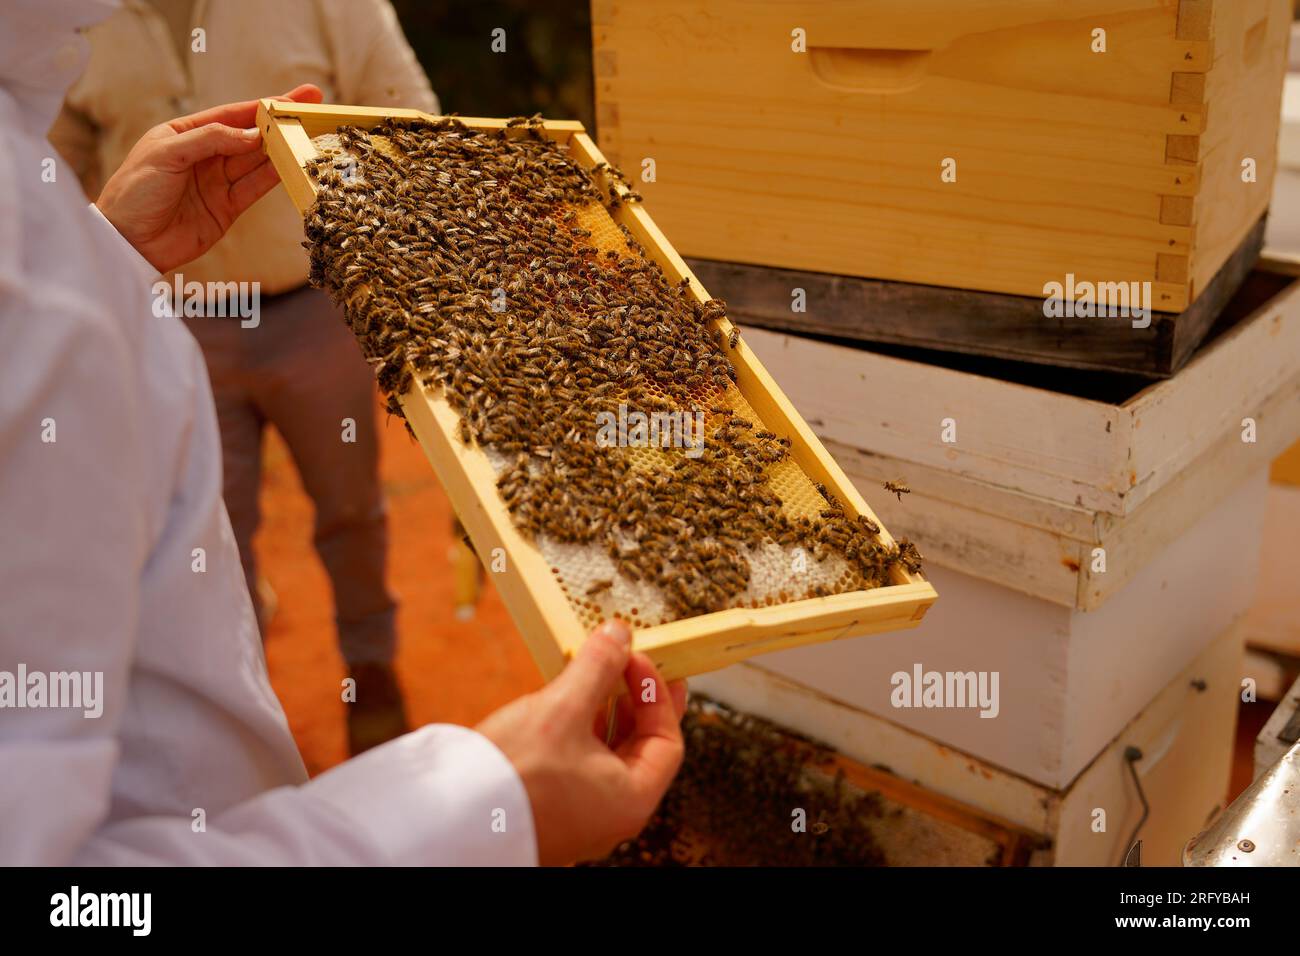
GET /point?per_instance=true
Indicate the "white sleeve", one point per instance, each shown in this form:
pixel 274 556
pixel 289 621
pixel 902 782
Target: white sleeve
pixel 443 794
pixel 439 796
pixel 105 228
pixel 75 543
pixel 75 520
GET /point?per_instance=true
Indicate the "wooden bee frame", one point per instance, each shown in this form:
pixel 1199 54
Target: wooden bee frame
pixel 528 587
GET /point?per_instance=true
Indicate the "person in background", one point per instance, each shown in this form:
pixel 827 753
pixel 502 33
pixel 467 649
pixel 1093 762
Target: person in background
pixel 295 364
pixel 110 480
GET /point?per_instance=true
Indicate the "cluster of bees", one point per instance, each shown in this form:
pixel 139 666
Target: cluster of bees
pixel 459 259
pixel 731 802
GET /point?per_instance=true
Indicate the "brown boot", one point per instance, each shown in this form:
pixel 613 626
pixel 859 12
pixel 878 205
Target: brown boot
pixel 377 714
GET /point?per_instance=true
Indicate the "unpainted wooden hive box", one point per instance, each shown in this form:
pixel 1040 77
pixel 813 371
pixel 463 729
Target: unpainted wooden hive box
pixel 1117 166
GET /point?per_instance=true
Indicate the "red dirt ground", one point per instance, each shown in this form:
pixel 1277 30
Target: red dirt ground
pixel 451 671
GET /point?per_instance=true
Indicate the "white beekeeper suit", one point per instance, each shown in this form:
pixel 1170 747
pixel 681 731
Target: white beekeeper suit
pixel 110 482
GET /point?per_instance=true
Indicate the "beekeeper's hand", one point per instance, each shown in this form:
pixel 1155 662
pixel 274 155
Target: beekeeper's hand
pixel 588 797
pixel 186 181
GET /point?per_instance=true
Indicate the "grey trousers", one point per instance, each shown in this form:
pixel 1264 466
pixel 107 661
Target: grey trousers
pixel 301 370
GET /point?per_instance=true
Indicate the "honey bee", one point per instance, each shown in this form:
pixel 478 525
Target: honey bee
pixel 899 488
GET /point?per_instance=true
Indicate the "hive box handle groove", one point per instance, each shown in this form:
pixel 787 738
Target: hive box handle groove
pixel 869 70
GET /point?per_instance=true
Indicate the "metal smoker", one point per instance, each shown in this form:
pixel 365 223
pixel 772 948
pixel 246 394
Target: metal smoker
pixel 1261 827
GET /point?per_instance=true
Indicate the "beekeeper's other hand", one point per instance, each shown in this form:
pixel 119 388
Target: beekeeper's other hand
pixel 587 797
pixel 186 181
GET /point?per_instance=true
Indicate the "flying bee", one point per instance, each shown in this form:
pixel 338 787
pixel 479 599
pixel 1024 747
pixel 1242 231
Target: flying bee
pixel 899 488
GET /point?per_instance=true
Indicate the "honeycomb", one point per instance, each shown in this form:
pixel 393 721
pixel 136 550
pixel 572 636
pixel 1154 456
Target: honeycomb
pixel 773 578
pixel 589 576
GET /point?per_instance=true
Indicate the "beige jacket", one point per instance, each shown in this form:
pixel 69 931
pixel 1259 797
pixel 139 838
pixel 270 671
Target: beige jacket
pixel 353 50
